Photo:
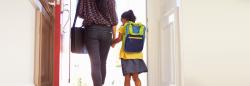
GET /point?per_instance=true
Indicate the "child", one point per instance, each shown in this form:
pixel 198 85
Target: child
pixel 132 62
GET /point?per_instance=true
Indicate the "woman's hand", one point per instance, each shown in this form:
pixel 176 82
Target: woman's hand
pixel 113 44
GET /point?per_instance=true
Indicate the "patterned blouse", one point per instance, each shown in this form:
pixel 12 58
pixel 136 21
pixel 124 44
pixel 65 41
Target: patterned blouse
pixel 94 14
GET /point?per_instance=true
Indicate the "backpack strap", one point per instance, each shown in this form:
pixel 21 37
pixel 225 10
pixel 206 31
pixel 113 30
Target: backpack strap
pixel 126 27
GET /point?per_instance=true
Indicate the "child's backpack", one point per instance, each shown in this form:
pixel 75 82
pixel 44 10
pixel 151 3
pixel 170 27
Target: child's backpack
pixel 134 37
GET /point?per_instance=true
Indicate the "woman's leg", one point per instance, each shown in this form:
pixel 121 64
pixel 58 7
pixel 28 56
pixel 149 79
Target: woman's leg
pixel 98 41
pixel 92 44
pixel 127 80
pixel 105 42
pixel 136 79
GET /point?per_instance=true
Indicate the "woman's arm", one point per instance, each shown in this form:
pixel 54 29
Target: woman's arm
pixel 114 32
pixel 114 35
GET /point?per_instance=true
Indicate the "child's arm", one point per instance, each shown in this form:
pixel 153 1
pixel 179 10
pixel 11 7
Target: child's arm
pixel 118 39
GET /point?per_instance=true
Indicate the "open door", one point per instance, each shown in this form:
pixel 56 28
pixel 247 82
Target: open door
pixel 45 43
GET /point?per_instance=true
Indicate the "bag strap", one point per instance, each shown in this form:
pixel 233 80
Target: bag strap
pixel 77 8
pixel 126 27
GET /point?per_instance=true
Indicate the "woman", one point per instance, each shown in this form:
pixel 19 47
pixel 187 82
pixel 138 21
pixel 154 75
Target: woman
pixel 100 21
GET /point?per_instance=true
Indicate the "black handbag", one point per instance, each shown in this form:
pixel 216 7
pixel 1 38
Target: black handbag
pixel 77 37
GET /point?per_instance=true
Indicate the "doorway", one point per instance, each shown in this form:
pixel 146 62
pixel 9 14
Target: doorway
pixel 75 68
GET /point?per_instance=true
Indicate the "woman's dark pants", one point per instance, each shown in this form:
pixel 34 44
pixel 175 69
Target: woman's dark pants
pixel 98 41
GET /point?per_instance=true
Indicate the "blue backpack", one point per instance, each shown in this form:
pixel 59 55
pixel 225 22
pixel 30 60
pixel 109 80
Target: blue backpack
pixel 134 37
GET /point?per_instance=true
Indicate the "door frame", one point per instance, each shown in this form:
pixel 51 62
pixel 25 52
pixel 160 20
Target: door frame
pixel 40 10
pixel 57 43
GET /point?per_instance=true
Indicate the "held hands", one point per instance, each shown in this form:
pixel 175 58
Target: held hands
pixel 116 40
pixel 113 43
pixel 114 36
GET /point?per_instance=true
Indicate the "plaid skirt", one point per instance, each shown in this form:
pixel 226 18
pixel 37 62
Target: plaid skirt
pixel 130 66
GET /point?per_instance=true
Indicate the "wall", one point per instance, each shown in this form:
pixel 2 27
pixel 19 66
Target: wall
pixel 153 20
pixel 159 43
pixel 168 43
pixel 216 42
pixel 17 22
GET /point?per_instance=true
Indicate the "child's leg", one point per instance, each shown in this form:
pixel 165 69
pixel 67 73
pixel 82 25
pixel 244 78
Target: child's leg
pixel 136 79
pixel 127 80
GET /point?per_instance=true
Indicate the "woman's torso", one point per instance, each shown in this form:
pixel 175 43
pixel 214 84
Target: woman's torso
pixel 94 13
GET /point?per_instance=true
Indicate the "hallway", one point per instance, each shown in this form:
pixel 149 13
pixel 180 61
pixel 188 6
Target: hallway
pixel 189 43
